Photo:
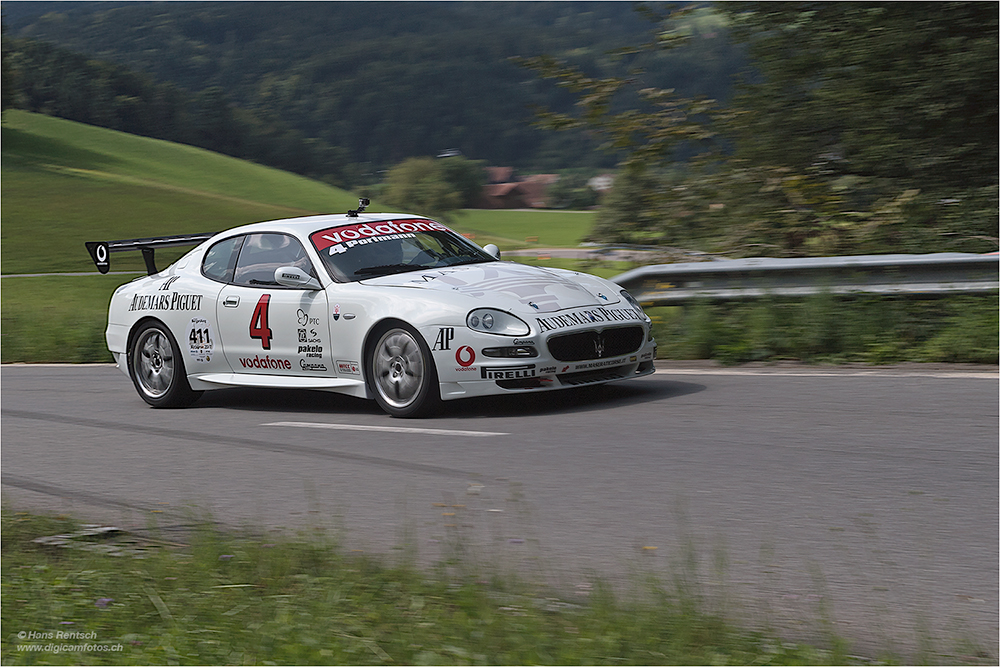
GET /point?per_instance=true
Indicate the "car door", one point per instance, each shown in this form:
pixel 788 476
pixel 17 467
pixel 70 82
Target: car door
pixel 269 329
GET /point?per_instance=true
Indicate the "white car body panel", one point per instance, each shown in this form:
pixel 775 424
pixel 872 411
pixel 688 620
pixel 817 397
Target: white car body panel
pixel 315 339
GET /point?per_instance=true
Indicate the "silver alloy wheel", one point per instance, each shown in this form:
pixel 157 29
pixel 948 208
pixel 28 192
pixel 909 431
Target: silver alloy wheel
pixel 153 363
pixel 398 366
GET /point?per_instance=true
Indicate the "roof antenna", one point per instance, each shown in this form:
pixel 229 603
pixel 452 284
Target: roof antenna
pixel 362 205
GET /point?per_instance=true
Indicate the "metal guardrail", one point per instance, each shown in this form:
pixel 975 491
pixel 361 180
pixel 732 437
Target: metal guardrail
pixel 738 279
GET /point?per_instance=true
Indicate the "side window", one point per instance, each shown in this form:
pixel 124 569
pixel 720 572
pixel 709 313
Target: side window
pixel 263 253
pixel 220 260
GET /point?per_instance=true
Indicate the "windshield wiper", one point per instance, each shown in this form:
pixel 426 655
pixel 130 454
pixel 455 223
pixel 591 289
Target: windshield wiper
pixel 386 269
pixel 472 260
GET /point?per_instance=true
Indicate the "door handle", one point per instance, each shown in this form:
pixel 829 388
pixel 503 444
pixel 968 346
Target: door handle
pixel 231 301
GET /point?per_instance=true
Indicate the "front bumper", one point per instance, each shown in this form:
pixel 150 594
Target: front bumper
pixel 465 371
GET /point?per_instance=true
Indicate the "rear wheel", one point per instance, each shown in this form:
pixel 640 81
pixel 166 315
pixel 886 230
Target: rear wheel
pixel 402 373
pixel 157 368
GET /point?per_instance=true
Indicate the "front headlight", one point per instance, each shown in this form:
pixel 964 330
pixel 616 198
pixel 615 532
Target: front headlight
pixel 632 302
pixel 488 320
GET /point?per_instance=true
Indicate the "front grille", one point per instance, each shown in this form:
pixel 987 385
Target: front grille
pixel 590 377
pixel 585 345
pixel 522 383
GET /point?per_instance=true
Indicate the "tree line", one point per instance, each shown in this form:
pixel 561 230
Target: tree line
pixel 885 117
pixel 43 78
pixel 859 128
pixel 346 89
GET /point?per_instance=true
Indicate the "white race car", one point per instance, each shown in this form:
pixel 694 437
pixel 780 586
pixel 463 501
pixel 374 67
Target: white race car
pixel 393 307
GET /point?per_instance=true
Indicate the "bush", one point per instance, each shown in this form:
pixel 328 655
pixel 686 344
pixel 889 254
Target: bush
pixel 824 328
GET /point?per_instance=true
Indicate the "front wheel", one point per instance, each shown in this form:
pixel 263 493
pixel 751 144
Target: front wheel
pixel 157 368
pixel 402 373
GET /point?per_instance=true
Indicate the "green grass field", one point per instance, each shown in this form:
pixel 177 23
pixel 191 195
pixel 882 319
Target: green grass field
pixel 525 229
pixel 56 318
pixel 221 599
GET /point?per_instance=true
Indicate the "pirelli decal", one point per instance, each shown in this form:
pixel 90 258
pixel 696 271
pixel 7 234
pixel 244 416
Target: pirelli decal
pixel 509 372
pixel 586 317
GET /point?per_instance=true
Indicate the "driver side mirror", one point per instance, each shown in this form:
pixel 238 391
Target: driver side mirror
pixel 292 276
pixel 492 249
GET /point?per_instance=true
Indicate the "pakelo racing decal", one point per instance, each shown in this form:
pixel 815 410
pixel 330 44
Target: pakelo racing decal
pixel 201 339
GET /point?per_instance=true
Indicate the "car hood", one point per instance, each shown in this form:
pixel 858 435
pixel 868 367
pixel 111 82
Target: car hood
pixel 535 289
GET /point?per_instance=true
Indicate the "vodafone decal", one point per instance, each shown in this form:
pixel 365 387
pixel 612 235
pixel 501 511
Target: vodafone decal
pixel 265 362
pixel 465 356
pixel 350 235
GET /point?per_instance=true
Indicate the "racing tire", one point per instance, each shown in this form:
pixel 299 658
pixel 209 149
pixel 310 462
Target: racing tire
pixel 401 373
pixel 156 367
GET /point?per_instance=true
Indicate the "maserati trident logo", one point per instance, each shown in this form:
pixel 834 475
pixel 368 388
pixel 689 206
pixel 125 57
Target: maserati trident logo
pixel 599 346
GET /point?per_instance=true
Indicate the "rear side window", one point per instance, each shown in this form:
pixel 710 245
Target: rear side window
pixel 263 253
pixel 220 260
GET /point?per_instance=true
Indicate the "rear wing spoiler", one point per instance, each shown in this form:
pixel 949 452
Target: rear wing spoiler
pixel 100 251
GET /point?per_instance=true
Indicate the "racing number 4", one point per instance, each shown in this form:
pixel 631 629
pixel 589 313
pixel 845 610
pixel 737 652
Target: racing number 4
pixel 258 323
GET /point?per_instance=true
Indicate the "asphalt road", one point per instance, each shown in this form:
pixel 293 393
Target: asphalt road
pixel 865 498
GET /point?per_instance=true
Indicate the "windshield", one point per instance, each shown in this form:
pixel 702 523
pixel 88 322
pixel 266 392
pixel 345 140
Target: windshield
pixel 371 249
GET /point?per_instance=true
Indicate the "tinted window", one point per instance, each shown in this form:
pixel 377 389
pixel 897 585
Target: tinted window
pixel 263 253
pixel 220 260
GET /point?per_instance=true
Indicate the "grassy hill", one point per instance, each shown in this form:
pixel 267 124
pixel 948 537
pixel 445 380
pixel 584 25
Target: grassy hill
pixel 65 183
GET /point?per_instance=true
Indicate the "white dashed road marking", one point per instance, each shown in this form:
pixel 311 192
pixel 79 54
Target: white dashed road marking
pixel 388 429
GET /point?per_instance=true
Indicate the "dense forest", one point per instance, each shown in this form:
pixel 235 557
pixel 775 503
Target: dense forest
pixel 852 127
pixel 349 87
pixel 861 128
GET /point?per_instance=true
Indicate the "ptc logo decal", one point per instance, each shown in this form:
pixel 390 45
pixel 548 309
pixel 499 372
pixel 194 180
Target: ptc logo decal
pixel 465 356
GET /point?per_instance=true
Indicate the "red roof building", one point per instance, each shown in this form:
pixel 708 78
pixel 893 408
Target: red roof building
pixel 505 190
